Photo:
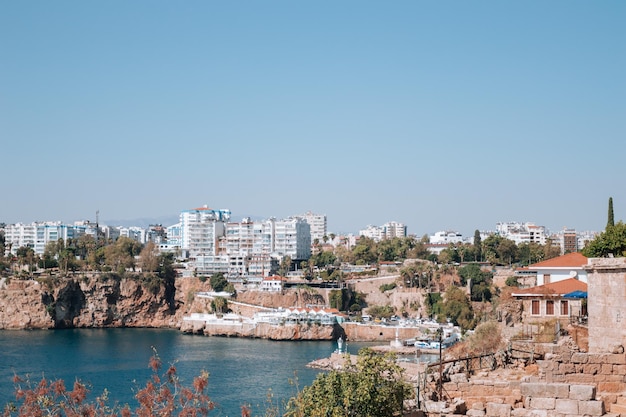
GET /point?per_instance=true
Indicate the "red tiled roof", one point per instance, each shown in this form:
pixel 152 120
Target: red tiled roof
pixel 569 260
pixel 275 278
pixel 554 288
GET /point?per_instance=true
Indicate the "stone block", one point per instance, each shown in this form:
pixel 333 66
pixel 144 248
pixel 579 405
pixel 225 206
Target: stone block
pixel 566 406
pixel 567 368
pixel 613 358
pixel 498 410
pixel 532 389
pixel 435 406
pixel 522 412
pixel 581 379
pixel 476 413
pixel 591 408
pixel 582 392
pixel 618 408
pixel 619 369
pixel 458 378
pixel 540 403
pixel 579 358
pixel 478 406
pixel 592 368
pixel 557 390
pixel 607 369
pixel 611 386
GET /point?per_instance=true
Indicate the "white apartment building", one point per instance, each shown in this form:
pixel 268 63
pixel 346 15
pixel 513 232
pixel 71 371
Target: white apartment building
pixel 394 229
pixel 318 223
pixel 372 232
pixel 446 237
pixel 200 230
pixel 292 237
pixel 522 232
pixel 256 248
pixel 37 235
pixel 386 231
pixel 135 233
pixel 19 235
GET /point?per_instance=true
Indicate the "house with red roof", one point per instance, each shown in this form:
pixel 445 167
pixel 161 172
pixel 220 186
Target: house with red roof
pixel 555 300
pixel 274 283
pixel 570 265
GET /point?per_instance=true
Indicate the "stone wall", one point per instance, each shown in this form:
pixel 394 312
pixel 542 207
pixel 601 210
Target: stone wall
pixel 493 397
pixel 607 303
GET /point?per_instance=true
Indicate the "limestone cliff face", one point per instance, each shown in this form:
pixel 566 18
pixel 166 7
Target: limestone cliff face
pixel 96 301
pixel 267 331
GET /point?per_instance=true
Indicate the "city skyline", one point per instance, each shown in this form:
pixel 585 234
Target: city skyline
pixel 442 116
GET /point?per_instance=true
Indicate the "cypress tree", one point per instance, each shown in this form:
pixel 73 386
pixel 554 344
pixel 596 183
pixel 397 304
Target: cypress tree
pixel 477 245
pixel 611 221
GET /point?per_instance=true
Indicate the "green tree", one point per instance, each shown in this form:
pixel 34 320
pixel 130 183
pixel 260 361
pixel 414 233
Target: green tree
pixel 285 266
pixel 364 251
pixel 382 312
pixel 480 281
pixel 507 251
pixel 218 282
pixel 373 387
pixel 219 305
pixel 26 257
pixel 120 255
pixel 611 241
pixel 611 219
pixel 322 259
pixel 457 308
pixel 477 246
pixel 149 258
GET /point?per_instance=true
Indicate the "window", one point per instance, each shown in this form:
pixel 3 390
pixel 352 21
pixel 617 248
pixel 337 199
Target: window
pixel 549 307
pixel 564 308
pixel 535 307
pixel 546 278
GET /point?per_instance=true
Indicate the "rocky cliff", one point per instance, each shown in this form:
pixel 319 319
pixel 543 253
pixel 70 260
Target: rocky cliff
pixel 102 300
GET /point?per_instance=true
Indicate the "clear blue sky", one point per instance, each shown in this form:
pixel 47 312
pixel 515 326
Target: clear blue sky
pixel 438 114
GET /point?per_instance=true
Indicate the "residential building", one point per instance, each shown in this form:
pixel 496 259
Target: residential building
pixel 200 230
pixel 274 283
pixel 522 232
pixel 292 237
pixel 318 225
pixel 394 229
pixel 372 232
pixel 570 265
pixel 37 235
pixel 568 241
pixel 387 231
pixel 559 300
pixel 445 238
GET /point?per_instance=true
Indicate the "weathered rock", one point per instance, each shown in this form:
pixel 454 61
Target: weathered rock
pixel 99 300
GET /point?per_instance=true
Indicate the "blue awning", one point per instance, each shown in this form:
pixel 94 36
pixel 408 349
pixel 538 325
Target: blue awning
pixel 576 294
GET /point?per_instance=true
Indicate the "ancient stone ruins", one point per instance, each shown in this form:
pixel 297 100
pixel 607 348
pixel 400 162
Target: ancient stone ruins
pixel 562 378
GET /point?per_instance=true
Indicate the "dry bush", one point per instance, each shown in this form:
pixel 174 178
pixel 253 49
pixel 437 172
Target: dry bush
pixel 162 396
pixel 487 338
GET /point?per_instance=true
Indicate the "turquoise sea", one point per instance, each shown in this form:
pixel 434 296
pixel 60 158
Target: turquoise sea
pixel 242 371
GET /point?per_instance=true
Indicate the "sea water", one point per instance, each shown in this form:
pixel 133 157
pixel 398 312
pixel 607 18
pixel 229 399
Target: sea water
pixel 253 372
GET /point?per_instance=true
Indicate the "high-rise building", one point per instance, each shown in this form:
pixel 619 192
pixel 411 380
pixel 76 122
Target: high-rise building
pixel 318 224
pixel 200 230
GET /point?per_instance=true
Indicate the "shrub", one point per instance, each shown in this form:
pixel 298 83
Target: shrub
pixel 162 396
pixel 387 287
